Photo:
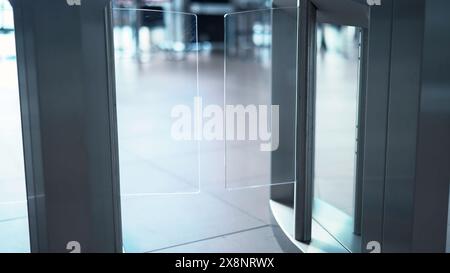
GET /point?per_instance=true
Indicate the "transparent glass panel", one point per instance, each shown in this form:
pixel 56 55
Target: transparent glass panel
pixel 215 220
pixel 231 221
pixel 156 56
pixel 336 127
pixel 260 97
pixel 14 234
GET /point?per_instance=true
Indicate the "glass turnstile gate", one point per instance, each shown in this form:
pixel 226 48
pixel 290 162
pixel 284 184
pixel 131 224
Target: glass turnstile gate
pixel 264 129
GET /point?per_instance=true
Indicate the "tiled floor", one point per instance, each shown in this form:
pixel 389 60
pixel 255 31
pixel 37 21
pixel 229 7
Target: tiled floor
pixel 256 240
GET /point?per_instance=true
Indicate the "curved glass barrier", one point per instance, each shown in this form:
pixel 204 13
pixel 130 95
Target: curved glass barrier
pixel 156 59
pixel 260 98
pixel 337 96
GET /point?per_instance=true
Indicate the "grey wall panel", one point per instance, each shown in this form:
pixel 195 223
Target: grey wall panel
pixel 406 63
pixel 377 97
pixel 433 149
pixel 417 155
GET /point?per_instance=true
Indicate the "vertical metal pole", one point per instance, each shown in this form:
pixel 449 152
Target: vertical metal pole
pixel 66 79
pixel 417 158
pixel 305 120
pixel 405 199
pixel 284 93
pixel 361 130
pixel 404 99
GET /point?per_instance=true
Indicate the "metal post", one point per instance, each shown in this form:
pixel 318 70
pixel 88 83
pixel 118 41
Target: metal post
pixel 406 175
pixel 377 99
pixel 66 79
pixel 433 149
pixel 417 157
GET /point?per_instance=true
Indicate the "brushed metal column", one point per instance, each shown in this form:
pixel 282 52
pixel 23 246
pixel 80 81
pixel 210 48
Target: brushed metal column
pixel 418 150
pixel 66 79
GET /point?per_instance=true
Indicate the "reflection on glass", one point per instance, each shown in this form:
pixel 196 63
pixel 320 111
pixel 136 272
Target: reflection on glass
pixel 337 90
pixel 14 235
pixel 252 121
pixel 151 47
pixel 150 79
